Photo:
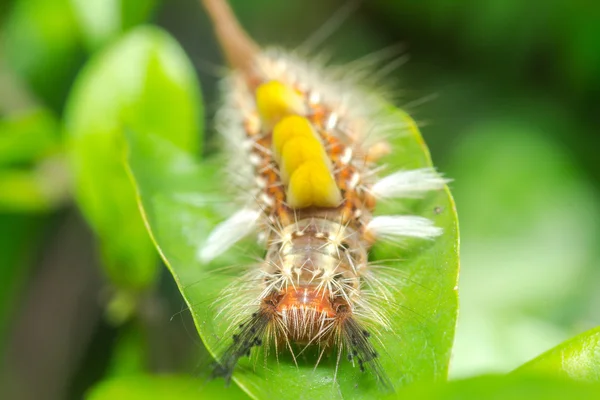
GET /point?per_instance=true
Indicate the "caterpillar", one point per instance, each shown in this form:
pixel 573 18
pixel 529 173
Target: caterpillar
pixel 304 143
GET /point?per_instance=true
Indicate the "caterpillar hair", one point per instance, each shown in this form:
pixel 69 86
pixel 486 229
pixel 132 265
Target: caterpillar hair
pixel 304 143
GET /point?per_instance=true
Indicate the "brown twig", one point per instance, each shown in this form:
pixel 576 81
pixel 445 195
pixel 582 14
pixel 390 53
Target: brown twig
pixel 239 49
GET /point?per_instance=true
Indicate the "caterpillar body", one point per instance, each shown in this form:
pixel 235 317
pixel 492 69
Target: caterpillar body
pixel 305 149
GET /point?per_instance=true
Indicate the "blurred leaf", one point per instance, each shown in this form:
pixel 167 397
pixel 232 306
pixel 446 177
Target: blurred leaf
pixel 104 20
pixel 121 306
pixel 42 43
pixel 21 190
pixel 130 355
pixel 40 188
pixel 581 36
pixel 19 237
pixel 577 358
pixel 28 137
pixel 511 387
pixel 142 82
pixel 516 41
pixel 530 229
pixel 183 201
pixel 136 12
pixel 146 387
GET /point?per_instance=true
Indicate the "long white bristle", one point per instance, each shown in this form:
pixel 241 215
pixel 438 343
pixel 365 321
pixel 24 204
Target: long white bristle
pixel 229 232
pixel 408 184
pixel 387 226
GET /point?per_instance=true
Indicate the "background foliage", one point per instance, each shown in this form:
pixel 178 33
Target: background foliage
pixel 506 93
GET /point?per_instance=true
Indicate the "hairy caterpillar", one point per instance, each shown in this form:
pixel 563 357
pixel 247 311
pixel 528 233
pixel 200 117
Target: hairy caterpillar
pixel 304 143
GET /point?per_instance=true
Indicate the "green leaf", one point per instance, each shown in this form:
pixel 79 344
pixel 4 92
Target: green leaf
pixel 28 137
pixel 43 44
pixel 33 175
pixel 577 358
pixel 20 236
pixel 511 387
pixel 38 189
pixel 143 82
pixel 103 20
pixel 183 200
pixel 130 354
pixel 550 218
pixel 146 387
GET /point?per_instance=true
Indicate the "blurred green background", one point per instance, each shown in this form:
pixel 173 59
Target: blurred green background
pixel 508 97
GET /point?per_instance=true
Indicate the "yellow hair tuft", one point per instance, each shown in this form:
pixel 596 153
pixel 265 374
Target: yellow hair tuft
pixel 312 185
pixel 275 100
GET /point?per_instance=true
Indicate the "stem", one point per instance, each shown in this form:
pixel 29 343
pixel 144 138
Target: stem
pixel 239 49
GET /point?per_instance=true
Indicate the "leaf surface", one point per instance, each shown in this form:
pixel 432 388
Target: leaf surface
pixel 499 387
pixel 183 200
pixel 147 387
pixel 577 358
pixel 143 82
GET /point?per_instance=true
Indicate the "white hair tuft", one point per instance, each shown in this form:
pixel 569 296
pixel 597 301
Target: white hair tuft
pixel 229 232
pixel 388 226
pixel 408 184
